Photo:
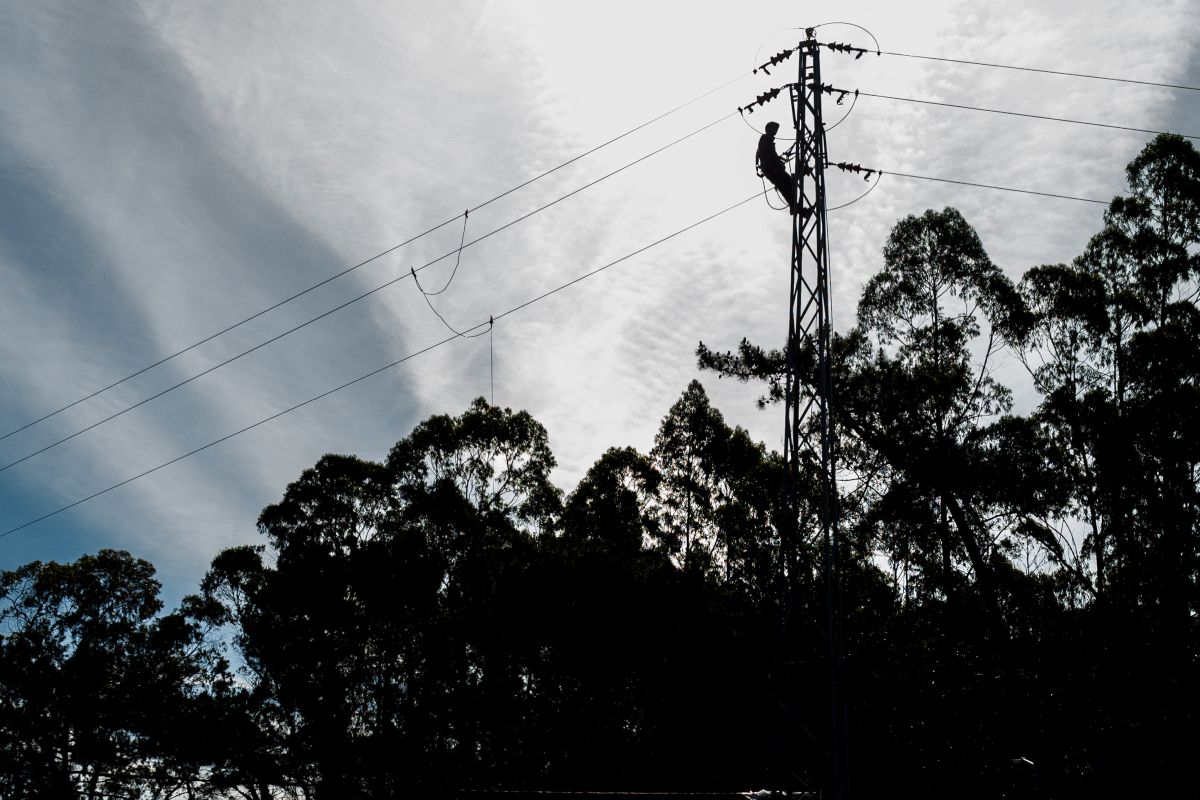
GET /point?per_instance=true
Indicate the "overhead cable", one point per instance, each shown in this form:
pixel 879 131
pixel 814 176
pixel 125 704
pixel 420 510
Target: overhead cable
pixel 867 172
pixel 993 186
pixel 412 273
pixel 856 92
pixel 475 328
pixel 491 322
pixel 366 261
pixel 1043 71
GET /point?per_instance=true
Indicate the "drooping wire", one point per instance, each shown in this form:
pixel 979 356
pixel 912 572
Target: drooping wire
pixel 437 314
pixel 777 59
pixel 366 261
pixel 852 25
pixel 425 294
pixel 845 116
pixel 457 259
pixel 489 323
pixel 767 195
pixel 870 189
pixel 366 294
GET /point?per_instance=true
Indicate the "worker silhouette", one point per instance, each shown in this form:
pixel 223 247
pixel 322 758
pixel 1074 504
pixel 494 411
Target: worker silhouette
pixel 770 165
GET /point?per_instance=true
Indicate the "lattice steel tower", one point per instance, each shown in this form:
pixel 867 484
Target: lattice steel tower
pixel 808 415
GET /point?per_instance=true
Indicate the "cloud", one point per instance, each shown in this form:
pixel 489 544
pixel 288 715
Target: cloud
pixel 168 170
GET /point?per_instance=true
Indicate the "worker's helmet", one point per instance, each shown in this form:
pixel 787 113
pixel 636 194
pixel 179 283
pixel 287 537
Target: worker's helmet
pixel 772 127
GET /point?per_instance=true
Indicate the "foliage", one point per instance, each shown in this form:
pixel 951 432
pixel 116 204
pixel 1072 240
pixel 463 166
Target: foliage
pixel 98 693
pixel 1015 588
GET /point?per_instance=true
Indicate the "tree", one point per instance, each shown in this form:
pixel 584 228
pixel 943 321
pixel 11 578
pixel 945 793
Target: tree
pixel 364 639
pixel 915 393
pixel 1113 350
pixel 614 503
pixel 498 460
pixel 96 685
pixel 718 496
pixel 936 477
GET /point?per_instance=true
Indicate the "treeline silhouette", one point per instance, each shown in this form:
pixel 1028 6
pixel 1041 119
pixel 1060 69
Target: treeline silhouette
pixel 1019 591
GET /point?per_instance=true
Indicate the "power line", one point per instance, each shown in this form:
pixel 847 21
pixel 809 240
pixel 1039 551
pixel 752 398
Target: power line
pixel 1042 71
pixel 868 171
pixel 993 186
pixel 412 273
pixel 366 261
pixel 1016 113
pixel 489 323
pixel 467 333
pixel 384 368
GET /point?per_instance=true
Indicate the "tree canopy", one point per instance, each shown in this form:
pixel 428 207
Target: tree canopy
pixel 1021 588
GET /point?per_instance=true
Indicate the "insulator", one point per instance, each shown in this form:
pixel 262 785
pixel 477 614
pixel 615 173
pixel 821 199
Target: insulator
pixel 778 58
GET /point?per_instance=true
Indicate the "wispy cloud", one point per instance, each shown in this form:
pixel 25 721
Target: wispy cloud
pixel 170 169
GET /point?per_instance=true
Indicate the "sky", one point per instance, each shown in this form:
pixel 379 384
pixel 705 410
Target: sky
pixel 168 169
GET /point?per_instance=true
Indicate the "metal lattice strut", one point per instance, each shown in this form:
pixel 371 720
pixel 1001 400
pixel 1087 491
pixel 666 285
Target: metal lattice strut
pixel 808 415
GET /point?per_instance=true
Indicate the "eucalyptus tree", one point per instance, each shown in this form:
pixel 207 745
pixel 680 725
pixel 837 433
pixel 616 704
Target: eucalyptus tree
pixel 614 503
pixel 101 694
pixel 364 621
pixel 717 497
pixel 1112 349
pixel 918 404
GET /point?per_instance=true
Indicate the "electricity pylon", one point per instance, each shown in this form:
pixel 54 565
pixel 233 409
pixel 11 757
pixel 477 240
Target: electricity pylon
pixel 808 415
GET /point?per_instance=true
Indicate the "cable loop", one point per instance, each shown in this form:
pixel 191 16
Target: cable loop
pixel 457 258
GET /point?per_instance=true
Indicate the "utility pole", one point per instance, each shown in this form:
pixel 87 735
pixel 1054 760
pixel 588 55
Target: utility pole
pixel 808 415
pixel 809 442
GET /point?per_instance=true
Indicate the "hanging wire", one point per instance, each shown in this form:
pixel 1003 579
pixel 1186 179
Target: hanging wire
pixel 845 116
pixel 457 258
pixel 767 194
pixel 878 178
pixel 449 327
pixel 878 49
pixel 364 262
pixel 384 368
pixel 353 300
pixel 758 54
pixel 427 295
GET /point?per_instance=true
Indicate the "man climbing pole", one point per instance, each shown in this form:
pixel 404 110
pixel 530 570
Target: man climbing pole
pixel 770 166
